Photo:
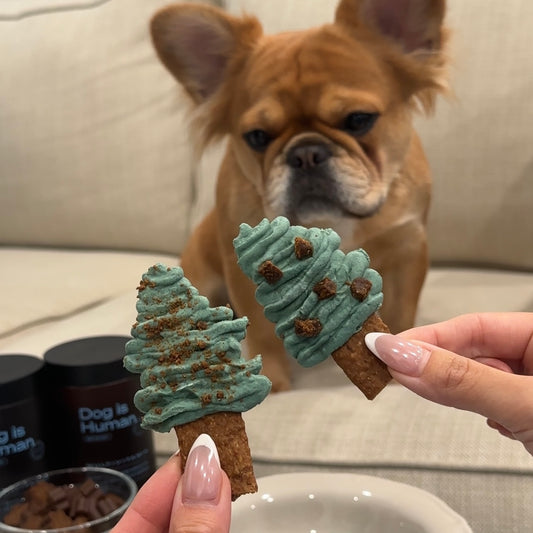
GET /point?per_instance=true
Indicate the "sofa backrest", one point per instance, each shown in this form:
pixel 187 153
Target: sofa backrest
pixel 94 148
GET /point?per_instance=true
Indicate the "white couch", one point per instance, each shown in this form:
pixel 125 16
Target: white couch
pixel 98 181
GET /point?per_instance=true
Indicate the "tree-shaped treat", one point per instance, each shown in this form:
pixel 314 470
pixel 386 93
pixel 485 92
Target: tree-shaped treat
pixel 322 301
pixel 192 374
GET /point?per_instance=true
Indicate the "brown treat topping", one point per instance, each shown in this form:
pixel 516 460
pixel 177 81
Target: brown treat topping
pixel 49 506
pixel 201 325
pixel 270 272
pixel 360 287
pixel 145 283
pixel 309 327
pixel 325 289
pixel 302 248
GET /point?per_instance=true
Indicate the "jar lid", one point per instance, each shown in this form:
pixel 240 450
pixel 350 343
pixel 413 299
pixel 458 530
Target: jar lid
pixel 87 362
pixel 18 376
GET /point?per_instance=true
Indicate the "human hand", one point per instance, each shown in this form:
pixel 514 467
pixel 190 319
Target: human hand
pixel 168 502
pixel 492 375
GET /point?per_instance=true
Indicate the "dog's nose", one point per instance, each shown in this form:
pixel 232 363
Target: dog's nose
pixel 307 156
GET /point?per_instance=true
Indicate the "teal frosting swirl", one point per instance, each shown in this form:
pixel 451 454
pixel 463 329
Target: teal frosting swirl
pixel 188 354
pixel 291 297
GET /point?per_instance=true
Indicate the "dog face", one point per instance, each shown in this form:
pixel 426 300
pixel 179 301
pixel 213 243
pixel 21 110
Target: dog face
pixel 319 121
pixel 320 139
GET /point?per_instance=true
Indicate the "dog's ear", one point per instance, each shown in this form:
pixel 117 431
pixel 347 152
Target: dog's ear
pixel 200 45
pixel 416 28
pixel 416 25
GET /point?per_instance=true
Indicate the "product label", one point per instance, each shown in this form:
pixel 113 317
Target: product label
pixel 22 449
pixel 100 426
pixel 100 422
pixel 14 440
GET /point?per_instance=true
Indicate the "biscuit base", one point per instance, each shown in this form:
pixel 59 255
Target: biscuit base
pixel 364 369
pixel 228 431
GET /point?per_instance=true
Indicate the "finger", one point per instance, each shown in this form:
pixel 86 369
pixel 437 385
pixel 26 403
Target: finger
pixel 449 379
pixel 150 510
pixel 500 429
pixel 501 335
pixel 495 363
pixel 203 499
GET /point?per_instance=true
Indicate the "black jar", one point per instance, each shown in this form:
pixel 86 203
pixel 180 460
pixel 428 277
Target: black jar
pixel 91 417
pixel 22 448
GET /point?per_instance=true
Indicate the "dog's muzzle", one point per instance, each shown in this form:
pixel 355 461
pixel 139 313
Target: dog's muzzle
pixel 311 187
pixel 308 157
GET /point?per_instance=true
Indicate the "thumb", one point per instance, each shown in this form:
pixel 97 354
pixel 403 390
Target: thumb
pixel 453 380
pixel 203 499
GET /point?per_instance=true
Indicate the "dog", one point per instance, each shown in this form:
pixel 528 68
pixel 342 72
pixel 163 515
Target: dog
pixel 319 129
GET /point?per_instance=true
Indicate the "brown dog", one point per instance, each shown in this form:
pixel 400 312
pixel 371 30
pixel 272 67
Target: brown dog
pixel 319 130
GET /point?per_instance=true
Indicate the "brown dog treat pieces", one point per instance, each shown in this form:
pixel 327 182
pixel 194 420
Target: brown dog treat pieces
pixel 325 288
pixel 302 248
pixel 270 272
pixel 309 327
pixel 49 506
pixel 360 288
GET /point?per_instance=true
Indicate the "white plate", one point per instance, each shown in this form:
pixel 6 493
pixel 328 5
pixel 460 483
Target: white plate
pixel 341 503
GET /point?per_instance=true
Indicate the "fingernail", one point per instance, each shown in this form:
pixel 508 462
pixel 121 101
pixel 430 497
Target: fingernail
pixel 397 353
pixel 202 477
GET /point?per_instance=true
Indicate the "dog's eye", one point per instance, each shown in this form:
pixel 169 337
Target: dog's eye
pixel 359 123
pixel 257 139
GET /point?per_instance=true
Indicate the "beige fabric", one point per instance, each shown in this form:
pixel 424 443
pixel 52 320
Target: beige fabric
pixel 277 15
pixel 396 428
pixel 47 286
pixel 94 148
pixel 16 9
pixel 111 316
pixel 449 292
pixel 479 143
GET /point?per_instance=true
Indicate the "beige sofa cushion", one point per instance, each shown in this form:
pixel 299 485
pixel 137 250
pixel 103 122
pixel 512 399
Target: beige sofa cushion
pixel 48 286
pixel 479 142
pixel 94 148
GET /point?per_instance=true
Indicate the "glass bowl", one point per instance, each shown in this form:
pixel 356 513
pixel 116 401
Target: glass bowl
pixel 108 481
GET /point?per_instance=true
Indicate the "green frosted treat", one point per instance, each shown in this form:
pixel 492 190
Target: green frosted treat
pixel 316 295
pixel 188 354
